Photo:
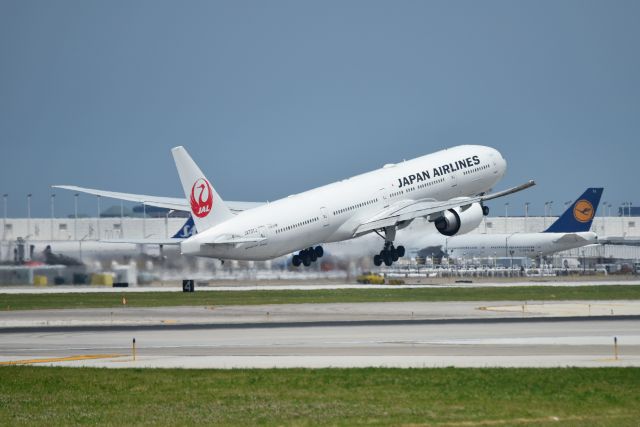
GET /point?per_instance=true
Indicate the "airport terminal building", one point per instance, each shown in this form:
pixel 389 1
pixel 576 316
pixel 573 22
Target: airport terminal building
pixel 93 229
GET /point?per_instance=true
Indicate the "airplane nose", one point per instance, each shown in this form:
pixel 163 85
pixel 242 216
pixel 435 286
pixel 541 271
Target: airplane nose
pixel 500 162
pixel 503 165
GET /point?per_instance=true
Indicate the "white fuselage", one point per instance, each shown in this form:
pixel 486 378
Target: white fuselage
pixel 333 212
pixel 509 245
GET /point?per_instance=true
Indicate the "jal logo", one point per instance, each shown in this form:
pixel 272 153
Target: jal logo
pixel 583 211
pixel 201 198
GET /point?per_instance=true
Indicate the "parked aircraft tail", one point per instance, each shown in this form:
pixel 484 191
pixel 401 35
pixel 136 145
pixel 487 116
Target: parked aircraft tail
pixel 187 230
pixel 579 216
pixel 207 208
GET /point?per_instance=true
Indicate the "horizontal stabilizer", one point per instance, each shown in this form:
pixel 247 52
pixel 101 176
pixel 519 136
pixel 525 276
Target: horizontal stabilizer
pixel 570 238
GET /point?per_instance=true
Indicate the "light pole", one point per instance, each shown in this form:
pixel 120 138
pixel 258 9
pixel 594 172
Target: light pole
pixel 506 215
pixel 604 218
pixel 29 215
pixel 53 212
pixel 544 220
pixel 4 218
pixel 144 220
pixel 624 204
pixel 550 206
pixel 526 216
pixel 121 219
pixel 75 216
pixel 166 223
pixel 98 219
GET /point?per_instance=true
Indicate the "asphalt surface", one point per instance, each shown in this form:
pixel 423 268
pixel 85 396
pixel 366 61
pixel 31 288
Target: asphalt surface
pixel 330 335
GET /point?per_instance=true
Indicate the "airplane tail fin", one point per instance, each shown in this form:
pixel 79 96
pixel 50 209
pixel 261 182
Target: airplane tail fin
pixel 579 216
pixel 187 230
pixel 207 208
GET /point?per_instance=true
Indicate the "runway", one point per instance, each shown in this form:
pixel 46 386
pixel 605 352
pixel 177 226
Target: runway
pixel 333 335
pixel 532 281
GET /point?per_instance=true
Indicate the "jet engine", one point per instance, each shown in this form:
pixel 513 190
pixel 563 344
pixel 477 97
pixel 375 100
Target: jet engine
pixel 459 220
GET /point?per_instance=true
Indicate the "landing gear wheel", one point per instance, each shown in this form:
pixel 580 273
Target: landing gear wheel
pixel 313 256
pixel 400 251
pixel 485 210
pixel 388 260
pixel 296 261
pixel 304 257
pixel 377 260
pixel 319 251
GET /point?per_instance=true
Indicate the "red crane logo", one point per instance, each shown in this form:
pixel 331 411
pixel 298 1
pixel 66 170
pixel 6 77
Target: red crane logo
pixel 201 205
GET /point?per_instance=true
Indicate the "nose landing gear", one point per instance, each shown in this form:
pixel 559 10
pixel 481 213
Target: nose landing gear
pixel 307 256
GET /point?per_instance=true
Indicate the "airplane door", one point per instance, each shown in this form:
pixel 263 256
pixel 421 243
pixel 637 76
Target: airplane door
pixel 262 232
pixel 324 217
pixel 382 196
pixel 453 182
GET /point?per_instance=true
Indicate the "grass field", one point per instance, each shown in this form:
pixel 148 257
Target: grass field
pixel 208 298
pixel 448 397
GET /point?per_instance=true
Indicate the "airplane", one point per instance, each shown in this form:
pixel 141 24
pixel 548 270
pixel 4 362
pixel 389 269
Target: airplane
pixel 447 187
pixel 77 251
pixel 569 231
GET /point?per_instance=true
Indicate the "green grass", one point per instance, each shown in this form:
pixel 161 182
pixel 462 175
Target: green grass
pixel 207 298
pixel 452 397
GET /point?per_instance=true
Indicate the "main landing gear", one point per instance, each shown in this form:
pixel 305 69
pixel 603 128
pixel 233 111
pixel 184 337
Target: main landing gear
pixel 389 254
pixel 307 256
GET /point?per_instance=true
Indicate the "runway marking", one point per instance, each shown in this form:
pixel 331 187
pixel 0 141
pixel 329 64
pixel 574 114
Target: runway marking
pixel 61 359
pixel 313 324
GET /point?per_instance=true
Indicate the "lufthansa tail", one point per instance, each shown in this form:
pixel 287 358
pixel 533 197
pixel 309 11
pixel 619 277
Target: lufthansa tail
pixel 207 208
pixel 580 214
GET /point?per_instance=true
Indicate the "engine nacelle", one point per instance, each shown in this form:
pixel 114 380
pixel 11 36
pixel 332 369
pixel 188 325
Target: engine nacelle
pixel 459 221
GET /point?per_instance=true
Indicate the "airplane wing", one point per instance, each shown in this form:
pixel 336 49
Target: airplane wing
pixel 410 209
pixel 163 242
pixel 235 240
pixel 619 241
pixel 570 238
pixel 175 203
pixel 230 240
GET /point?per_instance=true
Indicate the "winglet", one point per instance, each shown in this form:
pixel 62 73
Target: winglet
pixel 508 191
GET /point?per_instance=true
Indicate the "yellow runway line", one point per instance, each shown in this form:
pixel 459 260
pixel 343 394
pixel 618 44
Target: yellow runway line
pixel 61 359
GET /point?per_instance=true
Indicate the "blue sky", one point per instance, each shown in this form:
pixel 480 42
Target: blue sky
pixel 273 98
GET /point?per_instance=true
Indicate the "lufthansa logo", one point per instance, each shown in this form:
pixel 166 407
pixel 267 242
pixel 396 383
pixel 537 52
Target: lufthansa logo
pixel 583 211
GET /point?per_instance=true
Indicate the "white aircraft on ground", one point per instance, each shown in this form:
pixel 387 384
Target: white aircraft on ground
pixel 447 187
pixel 569 231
